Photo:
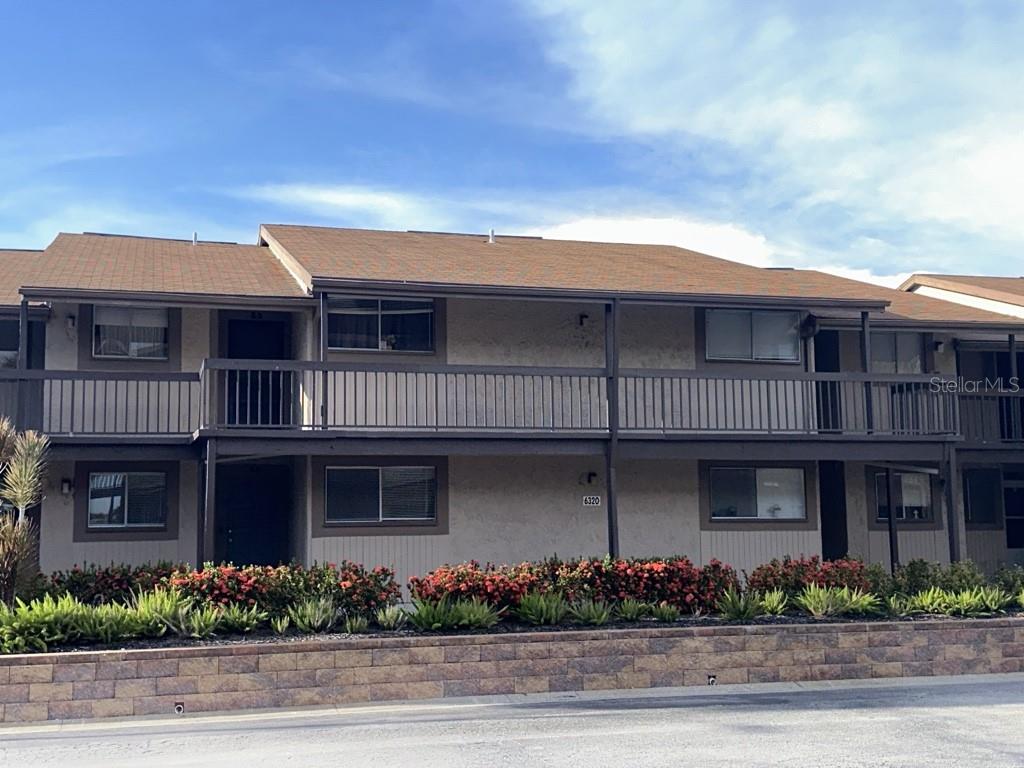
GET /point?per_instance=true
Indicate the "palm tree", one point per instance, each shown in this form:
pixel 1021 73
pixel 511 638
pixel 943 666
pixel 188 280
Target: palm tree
pixel 22 469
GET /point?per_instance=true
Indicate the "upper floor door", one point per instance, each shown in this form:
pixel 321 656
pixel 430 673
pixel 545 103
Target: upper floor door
pixel 255 397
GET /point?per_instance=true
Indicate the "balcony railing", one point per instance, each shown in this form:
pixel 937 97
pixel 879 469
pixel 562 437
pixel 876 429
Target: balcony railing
pixel 992 417
pixel 852 404
pixel 101 403
pixel 357 397
pixel 299 396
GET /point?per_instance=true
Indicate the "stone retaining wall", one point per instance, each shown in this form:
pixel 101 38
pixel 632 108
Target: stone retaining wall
pixel 62 686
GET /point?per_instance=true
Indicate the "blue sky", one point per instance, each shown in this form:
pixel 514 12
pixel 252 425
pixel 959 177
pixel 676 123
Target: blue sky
pixel 869 139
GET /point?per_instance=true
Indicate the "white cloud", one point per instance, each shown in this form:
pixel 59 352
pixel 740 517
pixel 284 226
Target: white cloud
pixel 352 204
pixel 886 121
pixel 724 240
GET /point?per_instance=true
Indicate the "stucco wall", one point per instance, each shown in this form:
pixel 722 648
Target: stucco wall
pixel 58 550
pixel 548 333
pixel 61 341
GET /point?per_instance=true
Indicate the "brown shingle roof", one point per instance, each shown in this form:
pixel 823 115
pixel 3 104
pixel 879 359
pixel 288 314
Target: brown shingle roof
pixel 91 262
pixel 521 262
pixel 906 307
pixel 17 267
pixel 1006 289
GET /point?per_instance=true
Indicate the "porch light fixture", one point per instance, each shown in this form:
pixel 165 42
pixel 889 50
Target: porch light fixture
pixel 939 346
pixel 588 478
pixel 67 487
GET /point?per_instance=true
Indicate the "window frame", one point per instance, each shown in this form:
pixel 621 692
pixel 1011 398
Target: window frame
pixel 919 342
pixel 129 357
pixel 127 525
pixel 751 313
pixel 433 312
pixel 998 523
pixel 7 353
pixel 710 521
pixel 935 519
pixel 381 521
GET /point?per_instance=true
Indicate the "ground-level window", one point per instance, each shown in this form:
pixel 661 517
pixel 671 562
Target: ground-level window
pixel 380 494
pixel 382 324
pixel 8 343
pixel 757 493
pixel 896 352
pixel 983 491
pixel 127 500
pixel 913 496
pixel 745 335
pixel 130 332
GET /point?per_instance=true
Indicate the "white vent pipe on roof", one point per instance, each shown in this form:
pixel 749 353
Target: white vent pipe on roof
pixel 490 236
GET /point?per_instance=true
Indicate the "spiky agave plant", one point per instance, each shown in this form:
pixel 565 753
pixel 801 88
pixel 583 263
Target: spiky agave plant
pixel 22 469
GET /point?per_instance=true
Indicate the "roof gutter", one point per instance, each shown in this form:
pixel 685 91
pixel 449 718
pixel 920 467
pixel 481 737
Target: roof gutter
pixel 450 290
pixel 168 298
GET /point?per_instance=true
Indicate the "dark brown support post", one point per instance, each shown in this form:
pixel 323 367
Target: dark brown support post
pixel 1015 430
pixel 865 366
pixel 611 359
pixel 207 544
pixel 949 478
pixel 324 377
pixel 21 412
pixel 890 494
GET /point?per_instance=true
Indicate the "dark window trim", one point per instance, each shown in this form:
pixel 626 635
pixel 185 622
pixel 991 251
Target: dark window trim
pixel 1000 522
pixel 922 344
pixel 82 532
pixel 439 352
pixel 320 528
pixel 379 468
pixel 86 361
pixel 936 523
pixel 703 362
pixel 809 523
pixel 380 314
pixel 126 526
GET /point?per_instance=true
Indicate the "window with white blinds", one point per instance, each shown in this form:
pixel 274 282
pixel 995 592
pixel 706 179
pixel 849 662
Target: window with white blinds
pixel 130 332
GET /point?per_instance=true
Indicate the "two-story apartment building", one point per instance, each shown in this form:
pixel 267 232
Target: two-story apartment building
pixel 410 399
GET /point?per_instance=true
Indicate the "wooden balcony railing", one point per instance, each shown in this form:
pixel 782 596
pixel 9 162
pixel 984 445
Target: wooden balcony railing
pixel 992 417
pixel 853 404
pixel 277 396
pixel 93 403
pixel 360 397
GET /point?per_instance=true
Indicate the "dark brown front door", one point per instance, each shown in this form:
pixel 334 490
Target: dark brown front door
pixel 253 508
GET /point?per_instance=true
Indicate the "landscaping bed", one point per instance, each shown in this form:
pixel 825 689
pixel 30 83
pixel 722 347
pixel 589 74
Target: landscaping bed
pixel 165 605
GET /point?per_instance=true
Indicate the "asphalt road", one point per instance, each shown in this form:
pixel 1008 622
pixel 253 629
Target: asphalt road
pixel 962 722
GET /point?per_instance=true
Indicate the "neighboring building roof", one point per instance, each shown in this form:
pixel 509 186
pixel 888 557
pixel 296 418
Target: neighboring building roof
pixel 907 307
pixel 527 263
pixel 1006 289
pixel 120 263
pixel 17 267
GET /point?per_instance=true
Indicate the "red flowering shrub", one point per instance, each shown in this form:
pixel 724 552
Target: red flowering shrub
pixel 500 586
pixel 95 584
pixel 355 589
pixel 673 580
pixel 223 584
pixel 792 575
